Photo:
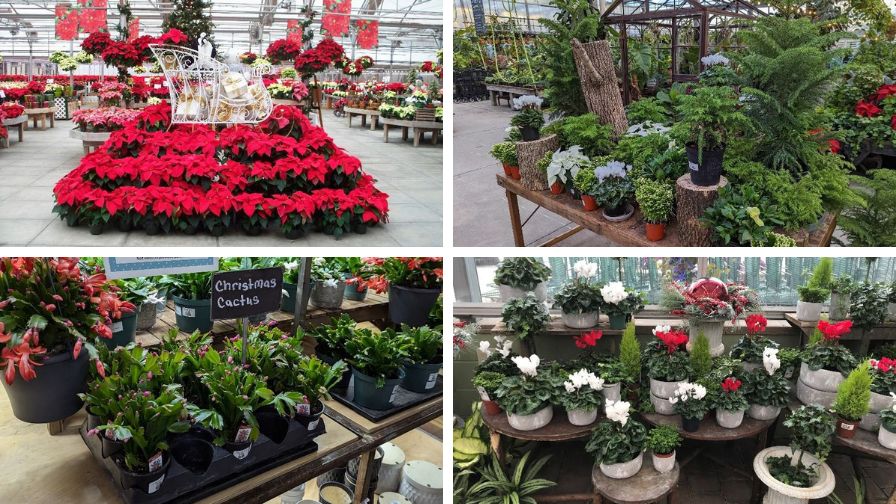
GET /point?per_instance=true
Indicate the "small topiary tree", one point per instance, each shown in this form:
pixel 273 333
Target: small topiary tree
pixel 854 394
pixel 630 353
pixel 701 360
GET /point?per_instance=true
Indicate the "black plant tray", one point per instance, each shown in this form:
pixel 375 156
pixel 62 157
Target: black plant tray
pixel 181 485
pixel 404 399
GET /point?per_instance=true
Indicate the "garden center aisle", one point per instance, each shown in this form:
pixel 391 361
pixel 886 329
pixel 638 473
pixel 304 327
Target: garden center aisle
pixel 411 176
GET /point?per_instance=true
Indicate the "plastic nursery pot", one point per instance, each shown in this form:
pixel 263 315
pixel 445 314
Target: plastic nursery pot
pixel 618 321
pixel 352 293
pixel 152 227
pixel 846 429
pixel 53 394
pixel 123 331
pixel 619 213
pixel 506 169
pixel 411 305
pixel 589 203
pixel 491 407
pixel 327 296
pixel 311 422
pixel 515 173
pixel 193 450
pixel 335 493
pixel 288 298
pixel 149 482
pixel 271 424
pixel 239 450
pixel 421 377
pixel 557 188
pixel 193 314
pixel 367 394
pixel 655 232
pixel 690 424
pixel 93 421
pixel 709 171
pixel 97 228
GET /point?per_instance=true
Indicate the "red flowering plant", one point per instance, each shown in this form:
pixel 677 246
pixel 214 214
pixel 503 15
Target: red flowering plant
pixel 353 68
pixel 864 114
pixel 710 299
pixel 247 58
pixel 103 119
pixel 283 50
pixel 588 340
pixel 666 357
pixel 324 54
pixel 883 375
pixel 731 397
pixel 11 110
pixel 751 347
pixel 824 350
pixel 174 37
pixel 96 43
pixel 412 272
pixel 51 307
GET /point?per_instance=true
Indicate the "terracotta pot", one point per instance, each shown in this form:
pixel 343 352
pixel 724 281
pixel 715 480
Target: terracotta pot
pixel 589 203
pixel 655 232
pixel 506 169
pixel 515 172
pixel 556 188
pixel 846 428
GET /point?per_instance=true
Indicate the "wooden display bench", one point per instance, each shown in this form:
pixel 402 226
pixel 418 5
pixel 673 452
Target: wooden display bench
pixel 628 233
pixel 420 127
pixel 43 114
pixel 648 485
pixel 15 123
pixel 374 116
pixel 883 332
pixel 498 92
pixel 90 140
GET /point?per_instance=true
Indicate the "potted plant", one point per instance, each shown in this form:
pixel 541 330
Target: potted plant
pixel 582 397
pixel 841 293
pixel 487 383
pixel 614 190
pixel 886 436
pixel 327 283
pixel 689 401
pixel 883 384
pixel 852 402
pixel 585 181
pixel 317 379
pixel 662 442
pixel 767 390
pixel 516 276
pixel 891 302
pixel 620 304
pixel 657 202
pixel 668 366
pixel 144 295
pixel 50 309
pixel 564 166
pixel 357 274
pixel 505 153
pixel 414 285
pixel 730 404
pixel 815 292
pixel 331 338
pixel 579 300
pixel 290 267
pixel 708 119
pixel 824 363
pixel 797 473
pixel 526 317
pixel 751 347
pixel 526 397
pixel 376 361
pixel 192 296
pixel 613 373
pixel 617 443
pixel 529 121
pixel 424 358
pixel 868 307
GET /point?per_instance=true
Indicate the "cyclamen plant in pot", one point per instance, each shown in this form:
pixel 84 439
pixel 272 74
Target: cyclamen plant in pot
pixel 886 436
pixel 376 361
pixel 505 153
pixel 327 283
pixel 657 202
pixel 620 303
pixel 49 310
pixel 579 299
pixel 730 404
pixel 617 443
pixel 526 397
pixel 668 366
pixel 414 285
pixel 689 400
pixel 516 276
pixel 614 190
pixel 424 358
pixel 853 400
pixel 842 288
pixel 582 398
pixel 527 317
pixel 767 389
pixel 883 384
pixel 815 292
pixel 529 120
pixel 662 442
pixel 824 363
pixel 750 348
pixel 487 383
pixel 192 296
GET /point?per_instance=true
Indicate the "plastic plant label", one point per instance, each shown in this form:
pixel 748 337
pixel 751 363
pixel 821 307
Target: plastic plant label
pixel 242 434
pixel 117 327
pixel 189 312
pixel 303 409
pixel 155 462
pixel 847 427
pixel 178 310
pixel 483 394
pixel 240 455
pixel 155 485
pixel 313 424
pixel 393 395
pixel 693 166
pixel 431 382
pixel 157 86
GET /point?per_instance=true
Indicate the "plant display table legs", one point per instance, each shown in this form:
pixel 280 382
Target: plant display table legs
pixel 43 114
pixel 15 123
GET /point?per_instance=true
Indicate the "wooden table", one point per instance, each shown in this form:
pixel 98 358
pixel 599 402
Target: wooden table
pixel 864 444
pixel 711 432
pixel 498 92
pixel 89 139
pixel 882 332
pixel 364 114
pixel 628 233
pixel 420 127
pixel 646 487
pixel 42 114
pixel 17 123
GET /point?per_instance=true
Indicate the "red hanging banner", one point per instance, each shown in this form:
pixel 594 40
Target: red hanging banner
pixel 368 33
pixel 92 16
pixel 294 31
pixel 133 29
pixel 335 20
pixel 66 22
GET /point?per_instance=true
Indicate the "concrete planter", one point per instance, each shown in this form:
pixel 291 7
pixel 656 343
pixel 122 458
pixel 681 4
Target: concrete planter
pixel 623 470
pixel 663 463
pixel 839 309
pixel 612 391
pixel 808 312
pixel 886 438
pixel 325 296
pixel 824 380
pixel 146 316
pixel 531 422
pixel 809 395
pixel 712 329
pixel 779 493
pixel 507 292
pixel 762 412
pixel 660 392
pixel 581 417
pixel 871 421
pixel 729 419
pixel 580 320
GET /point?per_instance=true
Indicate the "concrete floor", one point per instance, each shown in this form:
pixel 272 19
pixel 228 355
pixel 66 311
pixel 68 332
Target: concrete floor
pixel 411 176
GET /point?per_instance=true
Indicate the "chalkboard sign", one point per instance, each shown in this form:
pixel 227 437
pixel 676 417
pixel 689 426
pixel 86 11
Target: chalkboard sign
pixel 478 16
pixel 238 294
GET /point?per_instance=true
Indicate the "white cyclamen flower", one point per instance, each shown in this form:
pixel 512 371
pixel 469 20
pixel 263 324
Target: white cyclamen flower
pixel 714 59
pixel 613 292
pixel 505 349
pixel 484 348
pixel 662 329
pixel 527 365
pixel 499 338
pixel 770 360
pixel 289 266
pixel 585 269
pixel 617 411
pixel 687 391
pixel 570 388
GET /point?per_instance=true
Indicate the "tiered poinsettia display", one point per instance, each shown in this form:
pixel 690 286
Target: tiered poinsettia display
pixel 284 174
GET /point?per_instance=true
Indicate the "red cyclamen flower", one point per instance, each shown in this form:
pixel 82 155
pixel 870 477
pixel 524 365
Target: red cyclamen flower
pixel 672 339
pixel 867 109
pixel 731 384
pixel 588 339
pixel 833 332
pixel 756 323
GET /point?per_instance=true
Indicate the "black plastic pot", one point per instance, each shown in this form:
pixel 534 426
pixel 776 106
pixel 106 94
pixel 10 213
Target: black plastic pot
pixel 152 227
pixel 239 450
pixel 193 314
pixel 707 172
pixel 359 228
pixel 312 422
pixel 368 395
pixel 147 482
pixel 690 424
pixel 97 228
pixel 193 450
pixel 294 233
pixel 53 394
pixel 124 223
pixel 123 331
pixel 420 377
pixel 271 424
pixel 335 493
pixel 110 446
pixel 288 302
pixel 329 359
pixel 410 305
pixel 93 421
pixel 216 229
pixel 529 133
pixel 71 219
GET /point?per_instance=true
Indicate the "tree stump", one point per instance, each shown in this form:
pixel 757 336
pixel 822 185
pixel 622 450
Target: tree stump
pixel 692 202
pixel 529 154
pixel 594 61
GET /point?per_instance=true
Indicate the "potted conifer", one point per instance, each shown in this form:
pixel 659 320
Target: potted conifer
pixel 815 292
pixel 852 402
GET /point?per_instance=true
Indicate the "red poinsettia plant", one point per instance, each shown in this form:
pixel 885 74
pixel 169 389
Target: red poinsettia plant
pixel 52 307
pixel 283 50
pixel 174 37
pixel 104 119
pixel 122 54
pixel 96 43
pixel 247 58
pixel 11 110
pixel 324 54
pixel 413 272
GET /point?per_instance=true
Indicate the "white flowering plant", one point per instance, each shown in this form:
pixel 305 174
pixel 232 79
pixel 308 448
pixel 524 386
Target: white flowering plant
pixel 689 400
pixel 527 392
pixel 579 295
pixel 565 164
pixel 767 386
pixel 614 187
pixel 581 391
pixel 618 300
pixel 326 270
pixel 617 439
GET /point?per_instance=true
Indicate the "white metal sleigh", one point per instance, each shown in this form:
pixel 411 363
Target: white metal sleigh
pixel 207 91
